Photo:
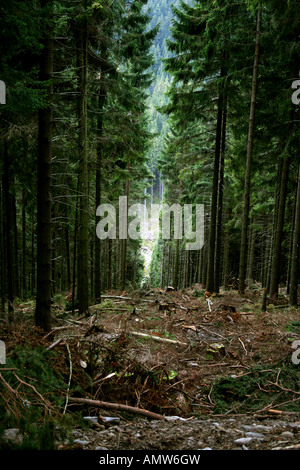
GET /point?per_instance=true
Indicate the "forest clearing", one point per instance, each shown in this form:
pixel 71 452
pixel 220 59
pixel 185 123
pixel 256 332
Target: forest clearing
pixel 149 224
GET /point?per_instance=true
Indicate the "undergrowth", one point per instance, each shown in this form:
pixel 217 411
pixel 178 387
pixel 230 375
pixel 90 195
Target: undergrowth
pixel 31 399
pixel 260 388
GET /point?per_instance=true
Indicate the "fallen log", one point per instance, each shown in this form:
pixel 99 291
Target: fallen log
pixel 116 406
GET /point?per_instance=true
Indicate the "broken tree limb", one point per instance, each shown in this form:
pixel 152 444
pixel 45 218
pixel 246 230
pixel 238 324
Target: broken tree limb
pixel 115 297
pixel 53 345
pixel 116 406
pixel 157 338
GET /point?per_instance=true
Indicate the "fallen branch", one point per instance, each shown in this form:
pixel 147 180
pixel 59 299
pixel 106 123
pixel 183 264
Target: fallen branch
pixel 157 338
pixel 211 332
pixel 46 402
pixel 115 297
pixel 53 345
pixel 116 406
pixel 70 378
pixel 292 447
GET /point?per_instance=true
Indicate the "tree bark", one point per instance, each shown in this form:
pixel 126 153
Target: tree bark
pixel 43 296
pixel 7 232
pixel 245 221
pixel 217 275
pixel 101 101
pixel 176 261
pixel 24 258
pixel 279 229
pixel 294 275
pixel 214 198
pixel 83 219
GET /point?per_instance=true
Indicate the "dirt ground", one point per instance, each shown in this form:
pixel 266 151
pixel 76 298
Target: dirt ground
pixel 215 368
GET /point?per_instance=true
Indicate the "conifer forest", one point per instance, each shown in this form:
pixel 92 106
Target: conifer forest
pixel 149 223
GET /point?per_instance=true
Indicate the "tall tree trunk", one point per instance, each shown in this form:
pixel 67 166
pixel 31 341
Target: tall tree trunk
pixel 245 221
pixel 279 229
pixel 2 250
pixel 24 258
pixel 125 241
pixel 43 296
pixel 226 254
pixel 251 253
pixel 294 275
pixel 33 276
pixel 163 255
pixel 217 275
pixel 214 197
pixel 110 263
pixel 67 239
pixel 97 271
pixel 8 231
pixel 15 251
pixel 83 219
pixel 75 264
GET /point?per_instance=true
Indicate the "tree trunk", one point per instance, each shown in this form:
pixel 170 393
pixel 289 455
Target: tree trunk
pixel 43 296
pixel 214 199
pixel 251 254
pixel 245 221
pixel 110 263
pixel 83 219
pixel 7 232
pixel 97 271
pixel 293 297
pixel 24 258
pixel 125 241
pixel 176 261
pixel 68 257
pixel 226 255
pixel 33 277
pixel 217 275
pixel 279 229
pixel 15 251
pixel 75 252
pixel 2 251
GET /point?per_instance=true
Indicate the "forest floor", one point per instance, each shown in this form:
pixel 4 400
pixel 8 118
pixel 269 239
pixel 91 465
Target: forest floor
pixel 220 372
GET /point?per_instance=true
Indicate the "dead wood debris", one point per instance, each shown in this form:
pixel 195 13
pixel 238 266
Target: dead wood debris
pixel 161 359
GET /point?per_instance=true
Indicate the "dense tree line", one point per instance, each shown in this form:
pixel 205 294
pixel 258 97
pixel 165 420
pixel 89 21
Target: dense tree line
pixel 85 122
pixel 74 134
pixel 233 144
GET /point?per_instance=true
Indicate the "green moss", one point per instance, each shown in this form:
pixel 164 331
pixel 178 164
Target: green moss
pixel 260 387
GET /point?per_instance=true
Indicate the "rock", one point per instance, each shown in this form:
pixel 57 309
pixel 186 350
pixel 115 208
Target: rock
pixel 255 435
pixel 174 418
pixel 287 435
pixel 244 440
pixel 13 435
pixel 81 442
pixel 256 427
pixel 101 448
